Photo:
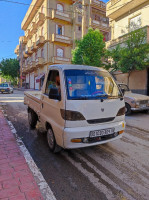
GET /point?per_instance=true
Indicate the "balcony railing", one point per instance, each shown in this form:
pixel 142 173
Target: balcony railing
pixel 61 60
pixel 28 34
pixel 39 61
pixel 40 41
pixel 28 51
pixel 61 39
pixel 40 19
pixel 34 47
pixel 100 25
pixel 33 28
pixel 56 14
pixel 98 4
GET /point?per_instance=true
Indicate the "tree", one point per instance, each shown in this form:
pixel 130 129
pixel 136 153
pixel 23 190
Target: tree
pixel 90 49
pixel 134 55
pixel 113 55
pixel 10 69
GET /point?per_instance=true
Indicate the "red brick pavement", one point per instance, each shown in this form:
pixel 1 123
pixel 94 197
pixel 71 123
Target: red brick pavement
pixel 16 179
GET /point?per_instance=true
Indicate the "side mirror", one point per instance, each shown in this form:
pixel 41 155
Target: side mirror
pixel 123 91
pixel 54 94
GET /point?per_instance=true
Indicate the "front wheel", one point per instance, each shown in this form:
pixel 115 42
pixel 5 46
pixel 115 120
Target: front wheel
pixel 32 118
pixel 52 142
pixel 127 109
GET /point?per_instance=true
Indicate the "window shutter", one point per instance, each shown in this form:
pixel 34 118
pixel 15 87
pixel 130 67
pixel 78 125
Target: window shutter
pixel 62 30
pixel 56 29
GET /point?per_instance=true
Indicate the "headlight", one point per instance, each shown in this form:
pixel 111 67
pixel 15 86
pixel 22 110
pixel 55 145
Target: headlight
pixel 71 115
pixel 137 103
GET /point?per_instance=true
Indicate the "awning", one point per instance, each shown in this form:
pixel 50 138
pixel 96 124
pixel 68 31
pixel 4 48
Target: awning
pixel 39 77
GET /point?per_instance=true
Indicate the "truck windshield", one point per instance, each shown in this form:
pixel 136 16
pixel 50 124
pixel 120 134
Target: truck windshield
pixel 90 84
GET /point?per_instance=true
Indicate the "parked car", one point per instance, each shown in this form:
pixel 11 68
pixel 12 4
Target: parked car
pixel 133 101
pixel 6 88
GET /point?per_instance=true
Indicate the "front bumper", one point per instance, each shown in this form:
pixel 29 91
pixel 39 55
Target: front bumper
pixel 83 132
pixel 139 109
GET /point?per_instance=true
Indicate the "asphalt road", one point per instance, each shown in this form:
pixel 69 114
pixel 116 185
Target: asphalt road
pixel 115 171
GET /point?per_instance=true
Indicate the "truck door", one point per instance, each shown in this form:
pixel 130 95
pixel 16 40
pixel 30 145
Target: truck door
pixel 50 108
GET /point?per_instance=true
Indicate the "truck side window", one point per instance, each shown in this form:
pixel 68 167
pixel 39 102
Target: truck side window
pixel 53 81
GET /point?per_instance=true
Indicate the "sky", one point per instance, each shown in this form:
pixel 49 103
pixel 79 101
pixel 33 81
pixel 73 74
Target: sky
pixel 11 16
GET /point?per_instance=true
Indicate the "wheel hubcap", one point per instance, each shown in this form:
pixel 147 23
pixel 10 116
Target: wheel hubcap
pixel 50 138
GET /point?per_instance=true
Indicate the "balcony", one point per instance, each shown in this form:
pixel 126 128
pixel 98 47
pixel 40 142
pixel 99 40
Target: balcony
pixel 16 51
pixel 61 39
pixel 34 47
pixel 67 1
pixel 40 41
pixel 28 34
pixel 40 19
pixel 116 8
pixel 39 61
pixel 28 51
pixel 120 40
pixel 98 4
pixel 33 64
pixel 33 28
pixel 60 60
pixel 61 16
pixel 25 55
pixel 100 25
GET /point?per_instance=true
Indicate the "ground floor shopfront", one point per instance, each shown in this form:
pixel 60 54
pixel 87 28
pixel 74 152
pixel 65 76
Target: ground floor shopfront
pixel 138 80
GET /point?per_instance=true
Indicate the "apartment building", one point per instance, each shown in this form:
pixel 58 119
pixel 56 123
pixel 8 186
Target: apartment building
pixel 50 30
pixel 123 14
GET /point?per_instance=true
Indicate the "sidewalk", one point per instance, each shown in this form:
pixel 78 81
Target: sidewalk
pixel 16 179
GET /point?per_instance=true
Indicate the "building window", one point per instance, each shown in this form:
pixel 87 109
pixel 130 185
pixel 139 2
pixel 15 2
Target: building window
pixel 79 28
pixel 42 9
pixel 60 7
pixel 79 18
pixel 60 52
pixel 42 53
pixel 59 29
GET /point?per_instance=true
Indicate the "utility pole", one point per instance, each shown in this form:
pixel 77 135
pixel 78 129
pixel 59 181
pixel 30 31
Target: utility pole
pixel 83 18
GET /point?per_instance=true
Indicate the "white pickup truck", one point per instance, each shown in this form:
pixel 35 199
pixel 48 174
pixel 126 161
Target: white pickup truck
pixel 79 106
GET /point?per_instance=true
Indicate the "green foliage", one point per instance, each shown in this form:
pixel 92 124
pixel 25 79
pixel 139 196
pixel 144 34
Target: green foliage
pixel 10 69
pixel 134 55
pixel 115 55
pixel 90 49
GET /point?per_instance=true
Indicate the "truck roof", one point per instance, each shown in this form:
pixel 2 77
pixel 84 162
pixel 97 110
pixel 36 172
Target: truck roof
pixel 71 66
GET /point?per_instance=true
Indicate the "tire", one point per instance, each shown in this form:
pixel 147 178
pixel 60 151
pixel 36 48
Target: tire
pixel 32 118
pixel 52 142
pixel 127 109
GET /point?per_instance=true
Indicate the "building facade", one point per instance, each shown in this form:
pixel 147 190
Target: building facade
pixel 50 30
pixel 124 16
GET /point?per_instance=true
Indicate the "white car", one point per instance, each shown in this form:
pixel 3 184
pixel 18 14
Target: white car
pixel 133 101
pixel 6 88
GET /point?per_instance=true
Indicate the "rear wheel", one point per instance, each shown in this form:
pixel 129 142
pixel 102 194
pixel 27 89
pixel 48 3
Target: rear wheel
pixel 32 118
pixel 52 142
pixel 127 109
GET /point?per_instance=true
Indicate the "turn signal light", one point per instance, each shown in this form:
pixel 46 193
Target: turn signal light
pixel 120 132
pixel 76 140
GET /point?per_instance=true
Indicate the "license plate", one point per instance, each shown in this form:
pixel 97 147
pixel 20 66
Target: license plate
pixel 143 106
pixel 102 132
